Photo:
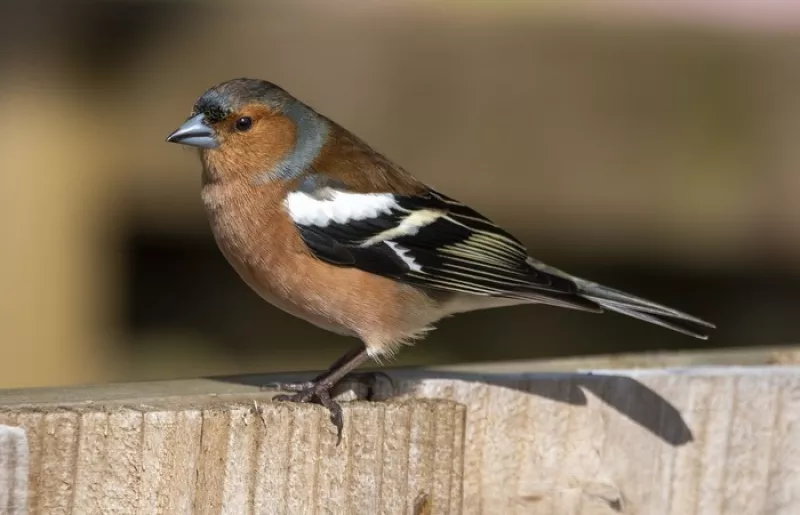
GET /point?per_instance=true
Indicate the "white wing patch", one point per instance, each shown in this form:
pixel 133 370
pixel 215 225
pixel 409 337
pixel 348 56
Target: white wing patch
pixel 409 226
pixel 340 207
pixel 404 254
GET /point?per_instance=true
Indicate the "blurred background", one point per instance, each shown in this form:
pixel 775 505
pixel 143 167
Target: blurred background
pixel 652 145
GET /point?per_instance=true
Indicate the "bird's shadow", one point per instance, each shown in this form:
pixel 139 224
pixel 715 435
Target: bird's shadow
pixel 626 395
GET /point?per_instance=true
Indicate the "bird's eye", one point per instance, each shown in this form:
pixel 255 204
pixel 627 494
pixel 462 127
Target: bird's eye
pixel 244 123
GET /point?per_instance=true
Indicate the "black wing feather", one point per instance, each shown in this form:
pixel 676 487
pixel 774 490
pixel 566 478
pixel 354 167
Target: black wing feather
pixel 455 248
pixel 377 259
pixel 461 251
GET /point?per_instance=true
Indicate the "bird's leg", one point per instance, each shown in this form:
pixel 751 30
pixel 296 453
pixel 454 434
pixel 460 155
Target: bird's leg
pixel 318 389
pixel 353 353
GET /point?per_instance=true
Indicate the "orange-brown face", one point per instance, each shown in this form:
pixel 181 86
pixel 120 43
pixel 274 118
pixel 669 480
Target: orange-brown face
pixel 251 141
pixel 240 128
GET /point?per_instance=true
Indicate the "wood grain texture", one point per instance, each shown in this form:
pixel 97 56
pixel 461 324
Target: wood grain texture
pixel 13 470
pixel 477 439
pixel 232 458
pixel 683 441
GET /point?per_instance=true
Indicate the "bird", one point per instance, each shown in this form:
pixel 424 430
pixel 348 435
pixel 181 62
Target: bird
pixel 323 226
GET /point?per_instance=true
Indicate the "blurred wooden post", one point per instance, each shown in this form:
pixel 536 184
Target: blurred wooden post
pixel 55 257
pixel 469 439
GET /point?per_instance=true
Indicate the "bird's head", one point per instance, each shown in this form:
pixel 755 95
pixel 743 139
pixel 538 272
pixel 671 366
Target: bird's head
pixel 250 128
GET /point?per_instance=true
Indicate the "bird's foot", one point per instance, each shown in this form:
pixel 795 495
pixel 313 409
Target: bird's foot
pixel 317 392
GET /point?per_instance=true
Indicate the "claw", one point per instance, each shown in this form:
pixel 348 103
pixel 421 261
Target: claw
pixel 319 389
pixel 318 393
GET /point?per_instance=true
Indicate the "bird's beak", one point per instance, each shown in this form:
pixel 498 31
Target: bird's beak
pixel 195 132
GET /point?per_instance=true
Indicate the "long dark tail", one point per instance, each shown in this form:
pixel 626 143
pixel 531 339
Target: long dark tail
pixel 630 305
pixel 636 307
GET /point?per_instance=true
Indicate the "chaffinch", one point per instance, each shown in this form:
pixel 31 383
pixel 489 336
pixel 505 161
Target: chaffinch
pixel 328 229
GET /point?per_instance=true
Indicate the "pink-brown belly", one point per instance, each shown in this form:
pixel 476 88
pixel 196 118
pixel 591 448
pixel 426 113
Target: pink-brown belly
pixel 272 285
pixel 265 249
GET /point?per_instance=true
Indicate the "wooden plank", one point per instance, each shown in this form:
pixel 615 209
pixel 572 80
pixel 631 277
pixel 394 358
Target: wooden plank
pixel 196 390
pixel 680 441
pixel 675 440
pixel 226 454
pixel 751 356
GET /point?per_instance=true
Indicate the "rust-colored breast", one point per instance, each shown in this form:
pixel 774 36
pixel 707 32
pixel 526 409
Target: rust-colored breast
pixel 258 238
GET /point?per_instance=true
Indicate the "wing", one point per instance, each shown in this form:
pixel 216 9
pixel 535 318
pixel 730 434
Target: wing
pixel 427 240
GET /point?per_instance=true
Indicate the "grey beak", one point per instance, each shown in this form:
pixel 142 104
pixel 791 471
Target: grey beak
pixel 194 132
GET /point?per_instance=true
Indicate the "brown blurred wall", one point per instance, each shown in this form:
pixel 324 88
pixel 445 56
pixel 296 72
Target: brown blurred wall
pixel 600 139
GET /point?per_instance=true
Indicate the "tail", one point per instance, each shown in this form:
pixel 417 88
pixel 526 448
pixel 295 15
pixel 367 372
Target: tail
pixel 632 306
pixel 636 307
